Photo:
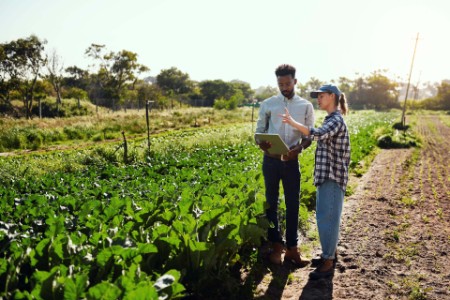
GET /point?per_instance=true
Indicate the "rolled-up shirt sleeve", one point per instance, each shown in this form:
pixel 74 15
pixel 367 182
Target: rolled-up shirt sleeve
pixel 309 121
pixel 263 120
pixel 330 128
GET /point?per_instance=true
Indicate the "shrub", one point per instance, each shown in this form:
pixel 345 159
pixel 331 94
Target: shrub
pixel 388 141
pixel 400 126
pixel 73 133
pixel 34 139
pixel 98 137
pixel 14 139
pixel 225 104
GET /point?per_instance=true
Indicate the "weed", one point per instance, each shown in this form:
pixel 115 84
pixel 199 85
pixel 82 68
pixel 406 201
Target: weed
pixel 396 236
pixel 306 248
pixel 408 201
pixel 350 190
pixel 413 284
pixel 291 278
pixel 440 213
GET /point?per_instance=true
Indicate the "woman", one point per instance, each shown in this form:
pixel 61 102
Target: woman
pixel 330 171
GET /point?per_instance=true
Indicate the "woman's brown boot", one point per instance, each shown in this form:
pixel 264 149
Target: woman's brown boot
pixel 325 270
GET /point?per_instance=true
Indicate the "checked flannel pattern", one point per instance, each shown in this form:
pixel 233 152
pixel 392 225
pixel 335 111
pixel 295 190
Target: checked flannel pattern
pixel 333 150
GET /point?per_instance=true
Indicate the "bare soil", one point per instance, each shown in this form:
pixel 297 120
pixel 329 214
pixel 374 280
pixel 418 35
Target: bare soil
pixel 395 232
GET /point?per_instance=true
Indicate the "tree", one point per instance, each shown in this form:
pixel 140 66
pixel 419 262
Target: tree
pixel 345 85
pixel 263 93
pixel 150 92
pixel 358 94
pixel 312 84
pixel 245 88
pixel 231 103
pixel 22 61
pixel 55 69
pixel 305 89
pixel 41 91
pixel 381 91
pixel 216 89
pixel 78 78
pixel 116 70
pixel 76 93
pixel 444 95
pixel 7 74
pixel 174 82
pixel 130 96
pixel 375 91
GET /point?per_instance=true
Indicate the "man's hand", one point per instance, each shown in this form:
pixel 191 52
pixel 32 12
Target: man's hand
pixel 265 145
pixel 294 151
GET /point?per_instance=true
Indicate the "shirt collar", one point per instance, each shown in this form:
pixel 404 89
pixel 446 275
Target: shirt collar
pixel 283 97
pixel 333 114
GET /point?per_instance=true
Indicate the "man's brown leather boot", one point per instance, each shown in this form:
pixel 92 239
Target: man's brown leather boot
pixel 275 255
pixel 293 255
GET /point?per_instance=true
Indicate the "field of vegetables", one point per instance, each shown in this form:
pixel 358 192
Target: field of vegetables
pixel 178 222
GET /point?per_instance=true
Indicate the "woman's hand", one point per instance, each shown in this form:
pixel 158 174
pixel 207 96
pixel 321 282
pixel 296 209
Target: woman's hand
pixel 287 118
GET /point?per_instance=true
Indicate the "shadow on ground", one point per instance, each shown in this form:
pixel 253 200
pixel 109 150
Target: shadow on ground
pixel 278 282
pixel 318 289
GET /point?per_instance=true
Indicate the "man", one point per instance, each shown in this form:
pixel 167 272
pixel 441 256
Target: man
pixel 284 167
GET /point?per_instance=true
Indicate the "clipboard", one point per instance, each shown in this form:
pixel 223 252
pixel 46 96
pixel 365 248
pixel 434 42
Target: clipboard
pixel 278 145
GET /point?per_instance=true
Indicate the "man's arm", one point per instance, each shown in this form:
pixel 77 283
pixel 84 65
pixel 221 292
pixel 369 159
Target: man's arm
pixel 309 121
pixel 306 142
pixel 262 126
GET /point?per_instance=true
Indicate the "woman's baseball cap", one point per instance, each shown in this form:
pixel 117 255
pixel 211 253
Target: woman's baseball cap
pixel 326 88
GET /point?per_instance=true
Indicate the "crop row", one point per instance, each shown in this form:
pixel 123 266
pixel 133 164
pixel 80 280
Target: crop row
pixel 176 223
pixel 192 212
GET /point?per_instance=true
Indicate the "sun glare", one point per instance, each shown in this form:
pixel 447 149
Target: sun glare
pixel 394 37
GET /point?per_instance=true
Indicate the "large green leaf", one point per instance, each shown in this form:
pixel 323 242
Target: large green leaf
pixel 142 293
pixel 104 291
pixel 70 290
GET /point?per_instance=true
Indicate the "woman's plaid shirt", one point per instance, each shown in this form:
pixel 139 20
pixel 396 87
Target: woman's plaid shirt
pixel 333 150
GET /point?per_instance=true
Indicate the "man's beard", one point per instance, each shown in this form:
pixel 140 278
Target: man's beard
pixel 288 94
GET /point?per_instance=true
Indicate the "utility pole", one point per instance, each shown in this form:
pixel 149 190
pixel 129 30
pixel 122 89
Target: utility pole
pixel 409 80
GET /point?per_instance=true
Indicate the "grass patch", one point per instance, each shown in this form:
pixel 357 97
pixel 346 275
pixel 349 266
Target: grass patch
pixel 17 134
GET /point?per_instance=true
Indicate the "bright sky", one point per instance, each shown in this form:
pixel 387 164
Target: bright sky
pixel 245 39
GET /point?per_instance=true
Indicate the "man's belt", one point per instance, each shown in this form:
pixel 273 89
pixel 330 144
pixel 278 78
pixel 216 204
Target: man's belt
pixel 278 156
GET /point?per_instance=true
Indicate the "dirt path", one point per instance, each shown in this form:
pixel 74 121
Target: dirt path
pixel 395 238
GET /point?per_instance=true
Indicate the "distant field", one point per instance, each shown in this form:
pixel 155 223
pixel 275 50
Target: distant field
pixel 19 134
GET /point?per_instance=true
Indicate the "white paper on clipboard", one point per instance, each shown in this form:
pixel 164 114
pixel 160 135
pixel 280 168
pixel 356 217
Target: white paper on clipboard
pixel 278 145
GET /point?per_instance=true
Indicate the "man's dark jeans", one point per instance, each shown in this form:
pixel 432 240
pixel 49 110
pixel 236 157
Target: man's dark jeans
pixel 288 172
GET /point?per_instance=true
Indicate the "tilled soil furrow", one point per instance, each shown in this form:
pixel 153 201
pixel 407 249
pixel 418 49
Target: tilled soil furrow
pixel 406 252
pixel 395 238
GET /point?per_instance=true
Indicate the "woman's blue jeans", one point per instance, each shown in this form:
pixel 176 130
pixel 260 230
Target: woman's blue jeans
pixel 329 202
pixel 288 172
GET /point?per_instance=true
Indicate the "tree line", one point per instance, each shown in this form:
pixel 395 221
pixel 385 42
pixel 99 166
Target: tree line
pixel 30 75
pixel 376 91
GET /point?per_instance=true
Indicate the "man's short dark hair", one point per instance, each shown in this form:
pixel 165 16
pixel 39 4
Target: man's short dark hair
pixel 284 70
